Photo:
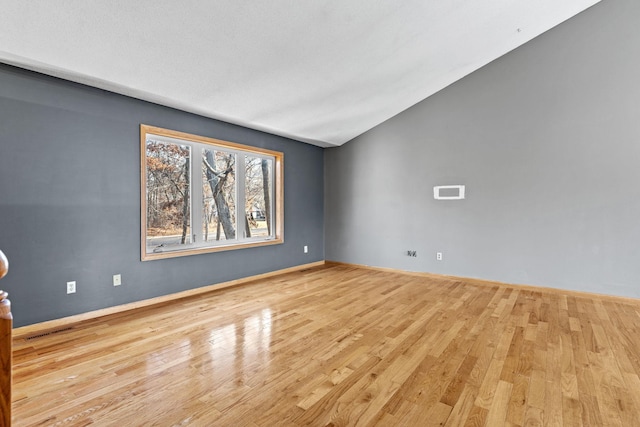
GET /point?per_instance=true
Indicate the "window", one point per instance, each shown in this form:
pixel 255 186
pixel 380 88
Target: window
pixel 202 195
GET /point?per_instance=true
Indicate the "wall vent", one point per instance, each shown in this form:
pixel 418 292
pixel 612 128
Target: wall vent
pixel 448 192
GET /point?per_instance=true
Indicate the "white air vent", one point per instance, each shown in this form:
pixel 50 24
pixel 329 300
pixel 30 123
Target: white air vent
pixel 448 192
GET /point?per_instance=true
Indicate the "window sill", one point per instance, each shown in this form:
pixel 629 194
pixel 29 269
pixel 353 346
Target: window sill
pixel 208 249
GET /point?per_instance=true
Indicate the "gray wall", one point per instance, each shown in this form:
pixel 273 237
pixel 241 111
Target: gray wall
pixel 547 141
pixel 70 200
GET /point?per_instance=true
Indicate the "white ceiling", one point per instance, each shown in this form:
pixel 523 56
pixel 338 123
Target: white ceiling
pixel 321 72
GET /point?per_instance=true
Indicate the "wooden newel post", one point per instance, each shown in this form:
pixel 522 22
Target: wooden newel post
pixel 6 323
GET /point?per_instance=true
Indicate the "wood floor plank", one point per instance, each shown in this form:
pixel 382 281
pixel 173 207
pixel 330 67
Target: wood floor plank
pixel 500 404
pixel 518 400
pixel 341 346
pixel 462 409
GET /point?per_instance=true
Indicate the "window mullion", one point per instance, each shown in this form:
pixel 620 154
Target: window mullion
pixel 196 195
pixel 241 215
pixel 272 196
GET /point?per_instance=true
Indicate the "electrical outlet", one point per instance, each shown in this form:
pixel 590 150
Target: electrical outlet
pixel 117 280
pixel 71 287
pixel 412 253
pixel 439 256
pixel 306 249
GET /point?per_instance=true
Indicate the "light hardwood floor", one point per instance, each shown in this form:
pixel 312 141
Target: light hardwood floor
pixel 338 346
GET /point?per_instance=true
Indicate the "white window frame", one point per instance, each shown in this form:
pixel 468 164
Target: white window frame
pixel 197 143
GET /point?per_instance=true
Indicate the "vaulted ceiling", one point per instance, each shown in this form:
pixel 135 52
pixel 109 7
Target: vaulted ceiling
pixel 321 72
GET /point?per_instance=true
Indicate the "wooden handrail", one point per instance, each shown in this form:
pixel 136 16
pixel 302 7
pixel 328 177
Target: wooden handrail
pixel 6 323
pixel 4 265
